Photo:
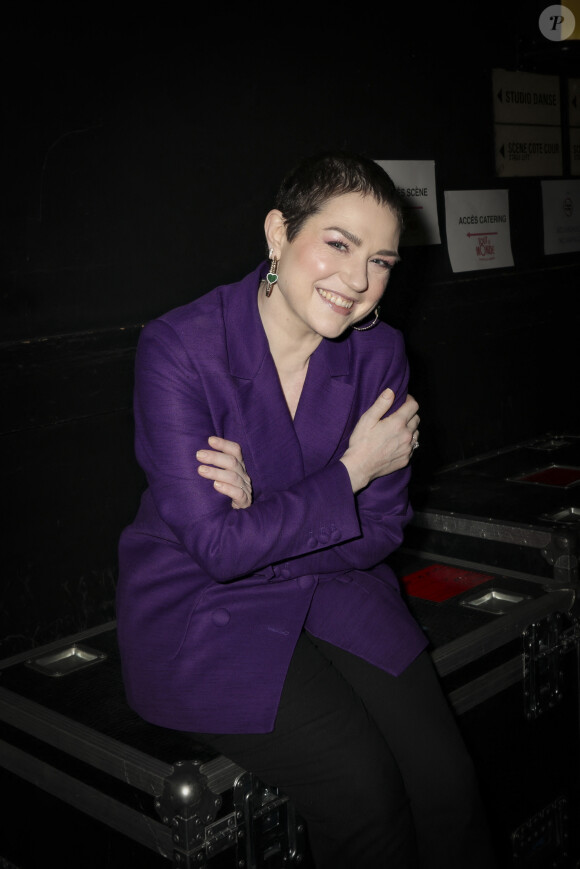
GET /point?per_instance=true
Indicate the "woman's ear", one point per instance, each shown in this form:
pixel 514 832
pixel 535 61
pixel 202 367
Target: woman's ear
pixel 275 232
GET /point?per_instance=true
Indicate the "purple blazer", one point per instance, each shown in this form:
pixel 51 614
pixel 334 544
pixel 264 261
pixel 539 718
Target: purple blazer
pixel 211 600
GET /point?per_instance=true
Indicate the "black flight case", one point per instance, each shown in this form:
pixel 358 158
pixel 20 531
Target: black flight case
pixel 88 785
pixel 517 507
pixel 506 647
pixel 514 514
pixel 91 785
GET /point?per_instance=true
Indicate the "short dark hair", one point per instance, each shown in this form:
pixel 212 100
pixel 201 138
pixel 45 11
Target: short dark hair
pixel 316 179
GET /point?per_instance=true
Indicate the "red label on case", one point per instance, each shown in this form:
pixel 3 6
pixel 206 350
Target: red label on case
pixel 439 582
pixel 556 475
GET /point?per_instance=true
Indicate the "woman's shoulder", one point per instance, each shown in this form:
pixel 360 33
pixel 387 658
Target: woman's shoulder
pixel 378 357
pixel 183 330
pixel 381 339
pixel 207 311
pixel 197 310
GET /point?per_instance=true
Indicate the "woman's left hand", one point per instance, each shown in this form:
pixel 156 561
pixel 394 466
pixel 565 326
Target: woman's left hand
pixel 224 464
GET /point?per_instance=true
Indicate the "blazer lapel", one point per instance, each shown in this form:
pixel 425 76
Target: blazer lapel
pixel 271 448
pixel 325 404
pixel 292 448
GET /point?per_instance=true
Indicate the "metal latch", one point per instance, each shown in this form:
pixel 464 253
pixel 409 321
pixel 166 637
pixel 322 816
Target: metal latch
pixel 66 660
pixel 275 833
pixel 543 837
pixel 562 554
pixel 544 643
pixel 262 829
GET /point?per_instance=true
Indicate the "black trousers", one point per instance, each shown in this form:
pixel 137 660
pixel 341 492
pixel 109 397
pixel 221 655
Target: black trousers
pixel 375 764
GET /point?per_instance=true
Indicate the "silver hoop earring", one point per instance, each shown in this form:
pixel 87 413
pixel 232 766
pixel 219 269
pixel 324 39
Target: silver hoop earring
pixel 370 325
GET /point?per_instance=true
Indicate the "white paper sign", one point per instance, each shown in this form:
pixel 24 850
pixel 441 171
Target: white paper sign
pixel 525 98
pixel 415 181
pixel 574 102
pixel 561 203
pixel 574 122
pixel 527 150
pixel 574 150
pixel 527 129
pixel 478 229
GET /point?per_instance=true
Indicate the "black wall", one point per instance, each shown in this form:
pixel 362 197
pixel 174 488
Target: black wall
pixel 138 167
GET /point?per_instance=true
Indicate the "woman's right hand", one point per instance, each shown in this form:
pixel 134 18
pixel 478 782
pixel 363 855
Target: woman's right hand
pixel 224 464
pixel 381 444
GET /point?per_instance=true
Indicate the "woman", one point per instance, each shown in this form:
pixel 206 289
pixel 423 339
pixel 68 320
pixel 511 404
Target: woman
pixel 255 606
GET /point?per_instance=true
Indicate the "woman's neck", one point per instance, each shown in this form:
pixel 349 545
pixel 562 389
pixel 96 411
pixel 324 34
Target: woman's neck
pixel 291 345
pixel 291 342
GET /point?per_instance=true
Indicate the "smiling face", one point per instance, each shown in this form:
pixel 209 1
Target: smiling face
pixel 335 271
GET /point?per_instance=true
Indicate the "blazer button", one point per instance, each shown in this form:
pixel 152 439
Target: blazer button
pixel 305 582
pixel 312 541
pixel 220 617
pixel 285 573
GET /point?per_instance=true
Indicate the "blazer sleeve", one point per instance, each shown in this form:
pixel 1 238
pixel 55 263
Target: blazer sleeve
pixel 304 525
pixel 381 532
pixel 383 508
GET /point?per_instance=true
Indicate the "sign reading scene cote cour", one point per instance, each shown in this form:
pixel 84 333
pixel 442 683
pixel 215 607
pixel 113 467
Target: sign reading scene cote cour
pixel 528 150
pixel 527 114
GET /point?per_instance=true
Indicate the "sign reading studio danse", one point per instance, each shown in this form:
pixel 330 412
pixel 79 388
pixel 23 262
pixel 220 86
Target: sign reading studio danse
pixel 527 115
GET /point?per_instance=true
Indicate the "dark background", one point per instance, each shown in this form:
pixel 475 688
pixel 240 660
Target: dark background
pixel 138 166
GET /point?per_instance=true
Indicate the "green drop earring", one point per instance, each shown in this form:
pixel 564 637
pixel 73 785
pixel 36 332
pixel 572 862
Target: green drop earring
pixel 272 275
